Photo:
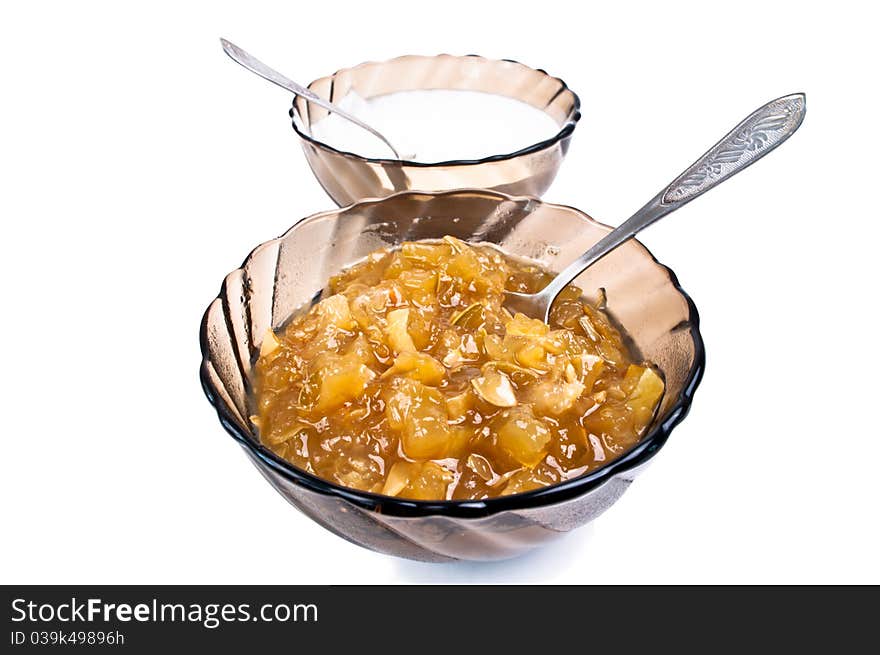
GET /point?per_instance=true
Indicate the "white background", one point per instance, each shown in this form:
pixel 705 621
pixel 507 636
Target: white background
pixel 138 165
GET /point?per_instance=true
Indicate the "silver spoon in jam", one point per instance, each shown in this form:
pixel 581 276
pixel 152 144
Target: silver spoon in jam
pixel 758 134
pixel 254 65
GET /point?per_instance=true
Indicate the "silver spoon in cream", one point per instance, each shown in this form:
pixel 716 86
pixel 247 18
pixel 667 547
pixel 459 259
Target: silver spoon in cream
pixel 254 65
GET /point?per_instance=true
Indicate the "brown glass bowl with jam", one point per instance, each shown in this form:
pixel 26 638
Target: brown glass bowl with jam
pixel 565 433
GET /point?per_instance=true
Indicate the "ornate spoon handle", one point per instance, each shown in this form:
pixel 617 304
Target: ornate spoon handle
pixel 745 144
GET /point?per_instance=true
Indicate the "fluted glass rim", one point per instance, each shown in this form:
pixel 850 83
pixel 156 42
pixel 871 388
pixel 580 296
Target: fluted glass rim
pixel 564 132
pixel 639 454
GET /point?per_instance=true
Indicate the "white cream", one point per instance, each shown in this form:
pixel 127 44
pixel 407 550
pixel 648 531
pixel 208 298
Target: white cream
pixel 436 125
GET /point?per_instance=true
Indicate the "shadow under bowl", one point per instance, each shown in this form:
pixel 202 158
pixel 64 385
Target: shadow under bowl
pixel 348 177
pixel 285 274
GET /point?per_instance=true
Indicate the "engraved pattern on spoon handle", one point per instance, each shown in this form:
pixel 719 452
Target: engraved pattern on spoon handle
pixel 757 135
